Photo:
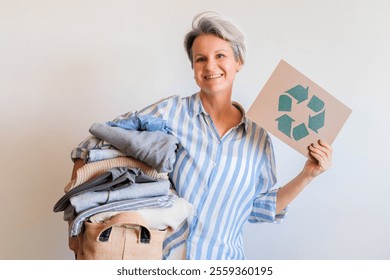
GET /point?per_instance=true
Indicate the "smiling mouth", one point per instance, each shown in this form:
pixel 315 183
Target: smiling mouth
pixel 210 77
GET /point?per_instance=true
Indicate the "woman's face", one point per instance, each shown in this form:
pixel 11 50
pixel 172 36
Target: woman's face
pixel 214 64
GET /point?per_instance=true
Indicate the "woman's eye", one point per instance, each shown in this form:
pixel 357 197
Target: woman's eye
pixel 200 59
pixel 220 55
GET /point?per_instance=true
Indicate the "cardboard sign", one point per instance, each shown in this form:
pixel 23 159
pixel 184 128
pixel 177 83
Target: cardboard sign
pixel 296 110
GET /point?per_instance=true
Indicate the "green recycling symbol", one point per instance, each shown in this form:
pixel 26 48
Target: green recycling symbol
pixel 315 121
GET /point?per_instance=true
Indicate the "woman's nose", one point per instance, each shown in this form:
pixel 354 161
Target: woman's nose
pixel 210 65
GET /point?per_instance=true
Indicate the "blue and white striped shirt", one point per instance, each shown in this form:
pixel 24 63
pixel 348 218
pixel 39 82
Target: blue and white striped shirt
pixel 229 180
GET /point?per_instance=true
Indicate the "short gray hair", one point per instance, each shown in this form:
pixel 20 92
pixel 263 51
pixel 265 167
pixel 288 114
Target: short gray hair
pixel 212 23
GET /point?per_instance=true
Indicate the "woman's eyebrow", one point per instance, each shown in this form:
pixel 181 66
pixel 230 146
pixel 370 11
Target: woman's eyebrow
pixel 200 54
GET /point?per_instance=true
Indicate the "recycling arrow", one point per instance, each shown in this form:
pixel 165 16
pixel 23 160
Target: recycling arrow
pixel 317 121
pixel 284 124
pixel 316 104
pixel 299 93
pixel 285 103
pixel 300 131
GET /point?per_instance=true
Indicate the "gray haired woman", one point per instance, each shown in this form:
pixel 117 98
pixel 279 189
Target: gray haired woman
pixel 225 164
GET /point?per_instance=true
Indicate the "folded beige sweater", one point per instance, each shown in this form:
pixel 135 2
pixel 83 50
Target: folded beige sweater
pixel 94 169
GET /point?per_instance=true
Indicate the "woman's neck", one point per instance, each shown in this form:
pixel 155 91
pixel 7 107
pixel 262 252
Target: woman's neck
pixel 222 112
pixel 216 105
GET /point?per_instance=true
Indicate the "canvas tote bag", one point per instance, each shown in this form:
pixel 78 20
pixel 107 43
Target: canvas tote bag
pixel 124 236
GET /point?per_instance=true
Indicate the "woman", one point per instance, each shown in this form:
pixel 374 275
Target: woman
pixel 225 163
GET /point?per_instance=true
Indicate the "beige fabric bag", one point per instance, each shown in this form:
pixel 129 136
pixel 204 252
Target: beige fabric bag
pixel 125 236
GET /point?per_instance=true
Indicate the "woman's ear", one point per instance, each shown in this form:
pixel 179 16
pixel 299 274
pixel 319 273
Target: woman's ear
pixel 239 66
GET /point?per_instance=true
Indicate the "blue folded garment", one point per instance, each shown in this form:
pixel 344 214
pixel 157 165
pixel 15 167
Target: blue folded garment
pixel 142 123
pixel 113 179
pixel 92 199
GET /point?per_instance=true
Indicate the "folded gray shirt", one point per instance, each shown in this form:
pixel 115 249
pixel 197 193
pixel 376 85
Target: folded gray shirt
pixel 154 148
pixel 114 178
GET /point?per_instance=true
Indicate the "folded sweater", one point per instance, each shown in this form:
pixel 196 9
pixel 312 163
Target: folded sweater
pixel 92 170
pixel 155 148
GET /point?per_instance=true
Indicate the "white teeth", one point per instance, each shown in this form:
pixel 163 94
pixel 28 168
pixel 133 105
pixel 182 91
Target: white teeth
pixel 213 76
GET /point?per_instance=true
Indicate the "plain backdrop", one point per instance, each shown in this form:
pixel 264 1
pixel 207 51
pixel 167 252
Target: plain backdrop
pixel 67 64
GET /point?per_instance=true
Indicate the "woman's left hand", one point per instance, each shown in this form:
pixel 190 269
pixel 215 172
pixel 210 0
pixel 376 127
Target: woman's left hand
pixel 321 160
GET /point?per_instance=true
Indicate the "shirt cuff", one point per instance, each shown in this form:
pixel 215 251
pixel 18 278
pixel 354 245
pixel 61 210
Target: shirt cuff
pixel 264 209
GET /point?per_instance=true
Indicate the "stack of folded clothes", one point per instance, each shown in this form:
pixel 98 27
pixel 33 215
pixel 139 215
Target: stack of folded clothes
pixel 126 168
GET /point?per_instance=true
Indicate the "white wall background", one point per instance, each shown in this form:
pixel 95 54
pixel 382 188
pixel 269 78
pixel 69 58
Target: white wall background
pixel 67 64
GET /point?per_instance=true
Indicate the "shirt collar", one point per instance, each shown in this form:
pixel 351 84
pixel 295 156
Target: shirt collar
pixel 195 108
pixel 244 119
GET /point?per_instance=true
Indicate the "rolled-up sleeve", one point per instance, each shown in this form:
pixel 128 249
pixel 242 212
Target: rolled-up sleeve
pixel 264 203
pixel 264 209
pixel 82 150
